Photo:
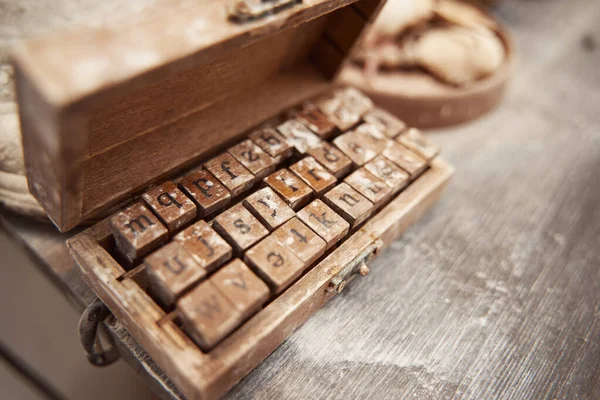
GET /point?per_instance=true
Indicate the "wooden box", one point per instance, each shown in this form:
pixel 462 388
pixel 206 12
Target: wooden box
pixel 107 113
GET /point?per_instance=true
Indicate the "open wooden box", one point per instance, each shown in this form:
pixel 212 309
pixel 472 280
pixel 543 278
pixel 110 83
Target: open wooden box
pixel 98 106
pixel 107 112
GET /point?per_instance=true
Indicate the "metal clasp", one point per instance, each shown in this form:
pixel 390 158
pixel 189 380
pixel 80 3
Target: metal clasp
pixel 249 10
pixel 356 267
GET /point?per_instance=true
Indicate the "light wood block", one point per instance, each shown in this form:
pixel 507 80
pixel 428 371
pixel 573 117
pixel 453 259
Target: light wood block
pixel 314 175
pixel 389 124
pixel 239 227
pixel 137 231
pixel 208 315
pixel 369 186
pixel 392 175
pixel 404 158
pixel 272 143
pixel 415 141
pixel 355 147
pixel 290 187
pixel 275 263
pixel 207 248
pixel 172 270
pixel 253 158
pixel 332 159
pixel 298 135
pixel 269 208
pixel 246 291
pixel 303 241
pixel 208 193
pixel 231 173
pixel 344 200
pixel 340 114
pixel 324 221
pixel 173 208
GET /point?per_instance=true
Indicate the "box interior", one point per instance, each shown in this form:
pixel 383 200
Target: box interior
pixel 209 105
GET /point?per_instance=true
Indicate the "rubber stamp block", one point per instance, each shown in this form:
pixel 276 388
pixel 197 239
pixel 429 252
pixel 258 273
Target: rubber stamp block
pixel 231 173
pixel 369 186
pixel 332 159
pixel 208 315
pixel 314 175
pixel 344 200
pixel 275 263
pixel 253 158
pixel 137 231
pixel 272 143
pixel 386 122
pixel 290 187
pixel 414 140
pixel 173 208
pixel 239 227
pixel 392 175
pixel 324 221
pixel 246 291
pixel 404 158
pixel 303 241
pixel 207 248
pixel 269 208
pixel 172 270
pixel 298 135
pixel 206 191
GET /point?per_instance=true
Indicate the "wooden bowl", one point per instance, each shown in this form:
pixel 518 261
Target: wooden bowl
pixel 422 101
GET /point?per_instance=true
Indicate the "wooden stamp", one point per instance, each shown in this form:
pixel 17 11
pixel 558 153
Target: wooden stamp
pixel 230 173
pixel 355 147
pixel 269 208
pixel 344 200
pixel 137 231
pixel 369 186
pixel 239 227
pixel 324 221
pixel 332 159
pixel 272 143
pixel 314 175
pixel 386 122
pixel 404 158
pixel 206 191
pixel 298 135
pixel 414 140
pixel 206 247
pixel 208 315
pixel 292 189
pixel 339 113
pixel 303 241
pixel 137 123
pixel 275 263
pixel 253 158
pixel 172 271
pixel 392 175
pixel 354 100
pixel 246 291
pixel 173 208
pixel 372 137
pixel 316 121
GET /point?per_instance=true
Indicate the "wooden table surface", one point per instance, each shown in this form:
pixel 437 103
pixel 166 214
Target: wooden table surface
pixel 496 292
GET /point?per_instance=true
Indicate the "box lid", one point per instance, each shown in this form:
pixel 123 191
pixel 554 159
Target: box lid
pixel 106 111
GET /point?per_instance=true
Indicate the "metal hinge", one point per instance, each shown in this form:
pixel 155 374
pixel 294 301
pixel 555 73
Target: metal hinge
pixel 356 267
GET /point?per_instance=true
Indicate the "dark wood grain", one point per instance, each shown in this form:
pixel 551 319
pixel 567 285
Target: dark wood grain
pixel 496 292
